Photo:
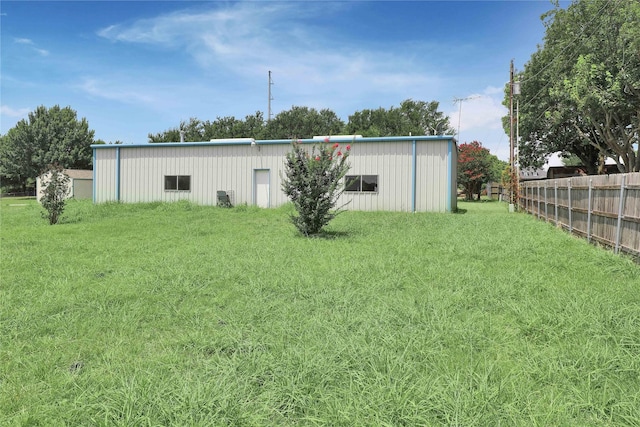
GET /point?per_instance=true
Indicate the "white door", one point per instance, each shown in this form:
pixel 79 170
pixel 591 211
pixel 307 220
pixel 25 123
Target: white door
pixel 261 187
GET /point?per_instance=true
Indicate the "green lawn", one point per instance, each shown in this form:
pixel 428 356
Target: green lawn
pixel 181 315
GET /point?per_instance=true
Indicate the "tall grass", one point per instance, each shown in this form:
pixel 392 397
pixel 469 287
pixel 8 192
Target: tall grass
pixel 176 314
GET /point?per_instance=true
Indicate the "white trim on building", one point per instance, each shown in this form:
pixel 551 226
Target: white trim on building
pixel 412 173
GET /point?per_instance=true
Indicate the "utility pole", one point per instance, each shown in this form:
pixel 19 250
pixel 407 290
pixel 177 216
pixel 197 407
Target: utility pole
pixel 511 142
pixel 270 98
pixel 511 145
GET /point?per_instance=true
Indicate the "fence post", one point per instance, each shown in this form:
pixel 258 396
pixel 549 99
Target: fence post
pixel 620 211
pixel 539 210
pixel 556 199
pixel 589 213
pixel 569 190
pixel 546 206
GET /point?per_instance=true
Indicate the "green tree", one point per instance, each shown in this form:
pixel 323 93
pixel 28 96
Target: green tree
pixel 547 123
pixel 375 123
pixel 54 197
pixel 605 80
pixel 48 136
pixel 224 127
pixel 303 122
pixel 411 118
pixel 423 118
pixel 314 182
pixel 581 90
pixel 496 169
pixel 16 153
pixel 193 132
pixel 230 127
pixel 196 130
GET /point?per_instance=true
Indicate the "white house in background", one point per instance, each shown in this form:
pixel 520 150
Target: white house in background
pixel 403 173
pixel 80 184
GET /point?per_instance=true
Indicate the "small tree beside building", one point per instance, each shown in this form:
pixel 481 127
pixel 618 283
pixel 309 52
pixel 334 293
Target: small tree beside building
pixel 54 195
pixel 314 182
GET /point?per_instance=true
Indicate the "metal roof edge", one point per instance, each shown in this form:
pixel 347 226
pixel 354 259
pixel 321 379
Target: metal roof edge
pixel 249 141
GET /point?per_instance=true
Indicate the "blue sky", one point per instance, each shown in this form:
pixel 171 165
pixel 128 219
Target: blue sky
pixel 139 67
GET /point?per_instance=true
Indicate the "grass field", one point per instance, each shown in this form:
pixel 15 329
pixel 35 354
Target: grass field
pixel 181 315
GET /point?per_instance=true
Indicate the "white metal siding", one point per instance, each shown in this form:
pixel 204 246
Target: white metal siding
pixel 104 171
pixel 431 176
pixel 391 162
pixel 212 168
pixel 232 168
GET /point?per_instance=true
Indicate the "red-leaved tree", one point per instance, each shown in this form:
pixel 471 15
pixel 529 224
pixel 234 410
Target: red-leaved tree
pixel 474 167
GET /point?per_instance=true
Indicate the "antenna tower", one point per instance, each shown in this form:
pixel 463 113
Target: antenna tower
pixel 269 114
pixel 460 101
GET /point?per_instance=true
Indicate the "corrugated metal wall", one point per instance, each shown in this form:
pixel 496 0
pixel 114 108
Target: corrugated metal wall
pixel 391 162
pixel 431 177
pixel 104 172
pixel 212 168
pixel 232 168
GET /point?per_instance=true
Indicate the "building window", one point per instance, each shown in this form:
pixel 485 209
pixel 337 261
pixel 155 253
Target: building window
pixel 177 183
pixel 361 183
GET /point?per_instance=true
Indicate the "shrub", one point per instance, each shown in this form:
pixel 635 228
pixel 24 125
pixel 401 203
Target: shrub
pixel 56 188
pixel 313 182
pixel 510 183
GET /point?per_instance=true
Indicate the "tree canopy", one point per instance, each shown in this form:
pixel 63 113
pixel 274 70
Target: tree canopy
pixel 411 118
pixel 477 166
pixel 580 92
pixel 196 130
pixel 48 136
pixel 303 122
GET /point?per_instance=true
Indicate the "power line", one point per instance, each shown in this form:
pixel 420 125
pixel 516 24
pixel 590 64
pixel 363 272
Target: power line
pixel 578 37
pixel 573 44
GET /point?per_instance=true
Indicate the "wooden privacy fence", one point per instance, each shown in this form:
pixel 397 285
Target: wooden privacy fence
pixel 601 208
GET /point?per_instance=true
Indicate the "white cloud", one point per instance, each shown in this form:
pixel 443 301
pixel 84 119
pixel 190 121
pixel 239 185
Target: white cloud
pixel 246 40
pixel 238 43
pixel 32 45
pixel 115 92
pixel 23 41
pixel 5 110
pixel 224 36
pixel 478 111
pixel 42 52
pixel 481 120
pixel 9 116
pixel 494 90
pixel 156 96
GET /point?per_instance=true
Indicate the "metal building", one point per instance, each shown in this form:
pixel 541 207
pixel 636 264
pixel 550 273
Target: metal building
pixel 404 173
pixel 80 184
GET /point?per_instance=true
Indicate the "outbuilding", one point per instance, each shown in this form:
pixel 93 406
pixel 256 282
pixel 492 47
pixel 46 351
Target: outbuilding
pixel 80 185
pixel 403 173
